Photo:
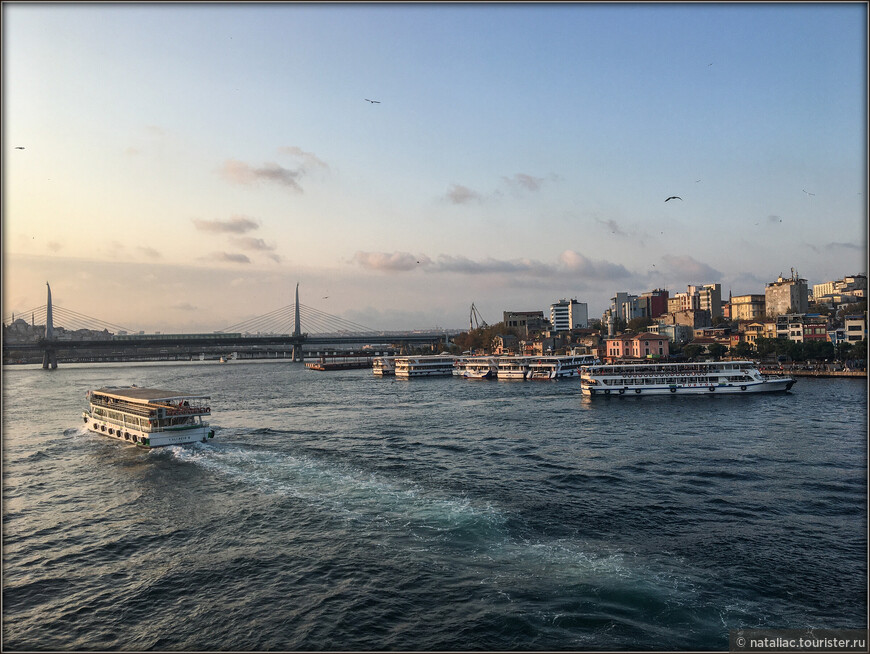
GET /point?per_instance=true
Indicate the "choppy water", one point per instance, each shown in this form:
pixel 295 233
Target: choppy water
pixel 338 510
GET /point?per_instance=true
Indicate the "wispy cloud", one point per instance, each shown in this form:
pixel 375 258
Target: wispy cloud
pixel 518 183
pixel 238 172
pixel 149 252
pixel 230 257
pixel 458 194
pixel 690 268
pixel 54 246
pixel 251 243
pixel 525 182
pixel 184 306
pixel 309 159
pixel 235 225
pixel 612 225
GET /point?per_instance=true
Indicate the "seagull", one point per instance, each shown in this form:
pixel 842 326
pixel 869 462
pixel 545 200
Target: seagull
pixel 19 147
pixel 373 101
pixel 807 192
pixel 674 197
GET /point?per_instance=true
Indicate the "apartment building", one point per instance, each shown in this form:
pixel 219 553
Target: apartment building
pixel 566 315
pixel 786 295
pixel 747 307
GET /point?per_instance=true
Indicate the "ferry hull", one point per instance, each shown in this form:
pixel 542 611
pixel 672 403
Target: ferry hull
pixel 768 386
pixel 197 434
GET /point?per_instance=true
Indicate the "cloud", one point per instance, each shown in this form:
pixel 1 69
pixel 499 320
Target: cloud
pixel 239 172
pixel 612 225
pixel 149 252
pixel 774 219
pixel 251 243
pixel 308 158
pixel 690 268
pixel 599 270
pixel 523 181
pixel 230 257
pixel 461 264
pixel 235 225
pixel 387 261
pixel 54 246
pixel 184 306
pixel 274 257
pixel 458 194
pixel 569 266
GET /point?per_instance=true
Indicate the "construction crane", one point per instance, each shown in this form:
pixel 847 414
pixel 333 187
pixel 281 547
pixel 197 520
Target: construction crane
pixel 475 320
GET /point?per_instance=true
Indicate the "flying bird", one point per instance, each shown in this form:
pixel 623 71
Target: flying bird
pixel 373 101
pixel 674 197
pixel 807 192
pixel 19 147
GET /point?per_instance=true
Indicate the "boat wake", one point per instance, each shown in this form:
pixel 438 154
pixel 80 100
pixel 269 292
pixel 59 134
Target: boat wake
pixel 478 536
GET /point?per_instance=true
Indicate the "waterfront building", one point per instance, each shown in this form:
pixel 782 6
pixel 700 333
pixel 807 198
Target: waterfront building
pixel 505 344
pixel 636 346
pixel 527 321
pixel 815 327
pixel 675 333
pixel 855 328
pixel 747 307
pixel 786 295
pixel 566 315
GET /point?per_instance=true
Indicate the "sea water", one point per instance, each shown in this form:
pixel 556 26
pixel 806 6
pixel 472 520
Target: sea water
pixel 344 511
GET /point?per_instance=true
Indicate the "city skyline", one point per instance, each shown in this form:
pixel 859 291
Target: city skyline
pixel 182 167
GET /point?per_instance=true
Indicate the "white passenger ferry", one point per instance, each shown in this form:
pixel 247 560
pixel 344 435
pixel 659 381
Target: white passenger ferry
pixel 557 367
pixel 481 368
pixel 706 378
pixel 459 365
pixel 513 367
pixel 148 417
pixel 431 365
pixel 383 366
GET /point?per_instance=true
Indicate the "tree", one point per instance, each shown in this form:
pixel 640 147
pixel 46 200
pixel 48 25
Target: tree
pixel 716 350
pixel 691 351
pixel 639 324
pixel 765 346
pixel 743 349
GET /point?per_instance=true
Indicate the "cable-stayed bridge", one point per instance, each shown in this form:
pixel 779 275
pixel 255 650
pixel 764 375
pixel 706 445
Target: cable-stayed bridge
pixel 292 329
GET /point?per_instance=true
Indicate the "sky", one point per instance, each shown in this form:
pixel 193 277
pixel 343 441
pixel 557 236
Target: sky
pixel 186 165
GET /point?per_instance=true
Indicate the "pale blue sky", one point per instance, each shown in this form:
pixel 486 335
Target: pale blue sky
pixel 203 158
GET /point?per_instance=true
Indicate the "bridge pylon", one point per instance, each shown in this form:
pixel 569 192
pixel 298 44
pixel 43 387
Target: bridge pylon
pixel 49 355
pixel 297 331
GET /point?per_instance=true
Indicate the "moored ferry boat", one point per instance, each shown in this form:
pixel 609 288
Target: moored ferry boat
pixel 428 365
pixel 704 378
pixel 557 367
pixel 148 417
pixel 459 365
pixel 384 366
pixel 511 367
pixel 481 368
